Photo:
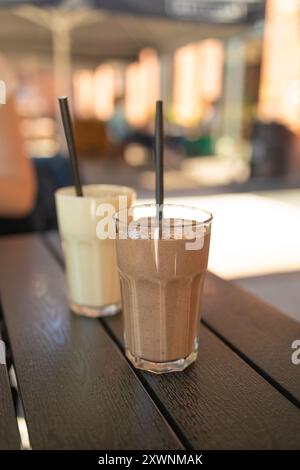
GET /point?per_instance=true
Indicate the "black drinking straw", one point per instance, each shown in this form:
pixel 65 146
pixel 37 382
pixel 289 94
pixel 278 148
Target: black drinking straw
pixel 159 158
pixel 68 128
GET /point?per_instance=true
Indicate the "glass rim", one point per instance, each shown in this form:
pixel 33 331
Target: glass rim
pixel 180 206
pixel 120 190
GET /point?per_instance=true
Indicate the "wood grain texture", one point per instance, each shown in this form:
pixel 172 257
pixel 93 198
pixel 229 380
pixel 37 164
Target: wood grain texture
pixel 77 389
pixel 220 402
pixel 9 434
pixel 278 289
pixel 256 329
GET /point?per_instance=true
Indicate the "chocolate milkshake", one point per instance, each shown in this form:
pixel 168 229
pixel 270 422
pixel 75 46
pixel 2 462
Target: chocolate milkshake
pixel 162 275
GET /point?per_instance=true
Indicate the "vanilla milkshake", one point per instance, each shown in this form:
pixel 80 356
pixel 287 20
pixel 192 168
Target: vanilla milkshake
pixel 91 268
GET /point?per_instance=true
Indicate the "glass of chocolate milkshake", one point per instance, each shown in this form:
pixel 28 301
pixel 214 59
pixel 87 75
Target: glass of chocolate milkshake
pixel 162 263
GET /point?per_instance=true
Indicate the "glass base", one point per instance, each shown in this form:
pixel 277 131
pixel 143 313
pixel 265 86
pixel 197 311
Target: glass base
pixel 95 312
pixel 162 367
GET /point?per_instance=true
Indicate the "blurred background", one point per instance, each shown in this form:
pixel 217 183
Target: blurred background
pixel 229 75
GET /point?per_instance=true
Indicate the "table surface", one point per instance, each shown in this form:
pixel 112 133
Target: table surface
pixel 250 232
pixel 9 435
pixel 79 391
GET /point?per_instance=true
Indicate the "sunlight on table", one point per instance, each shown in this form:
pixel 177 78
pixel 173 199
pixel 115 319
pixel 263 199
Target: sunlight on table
pixel 251 234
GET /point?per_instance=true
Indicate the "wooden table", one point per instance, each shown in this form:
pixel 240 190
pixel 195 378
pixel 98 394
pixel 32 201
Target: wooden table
pixel 9 435
pixel 79 391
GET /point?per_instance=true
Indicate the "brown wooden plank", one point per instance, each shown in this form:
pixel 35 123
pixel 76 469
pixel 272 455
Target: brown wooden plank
pixel 77 389
pixel 220 402
pixel 52 241
pixel 256 329
pixel 9 434
pixel 278 289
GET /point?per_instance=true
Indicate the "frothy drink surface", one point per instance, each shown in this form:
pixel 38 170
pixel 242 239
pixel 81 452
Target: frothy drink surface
pixel 161 283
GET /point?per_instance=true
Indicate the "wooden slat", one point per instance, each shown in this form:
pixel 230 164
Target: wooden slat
pixel 220 401
pixel 256 329
pixel 77 389
pixel 278 289
pixel 52 241
pixel 9 434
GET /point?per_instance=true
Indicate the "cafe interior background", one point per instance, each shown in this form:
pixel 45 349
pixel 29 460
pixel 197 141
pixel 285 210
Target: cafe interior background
pixel 229 75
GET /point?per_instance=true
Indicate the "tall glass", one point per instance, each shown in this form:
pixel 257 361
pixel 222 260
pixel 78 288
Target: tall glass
pixel 162 265
pixel 91 267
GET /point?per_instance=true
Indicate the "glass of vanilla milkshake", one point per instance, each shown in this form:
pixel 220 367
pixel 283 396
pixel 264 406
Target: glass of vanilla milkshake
pixel 162 263
pixel 91 267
